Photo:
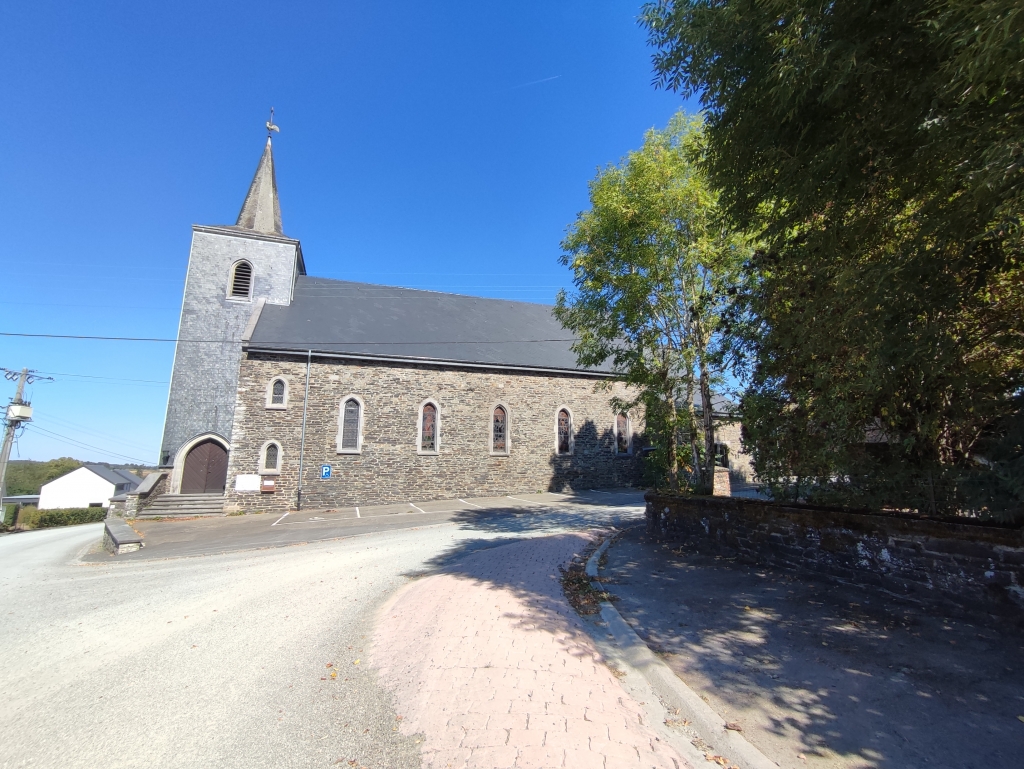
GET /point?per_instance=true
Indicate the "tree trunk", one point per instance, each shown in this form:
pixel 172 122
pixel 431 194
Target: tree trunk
pixel 691 433
pixel 709 429
pixel 670 426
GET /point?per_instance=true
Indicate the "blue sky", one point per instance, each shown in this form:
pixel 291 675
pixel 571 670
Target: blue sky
pixel 442 145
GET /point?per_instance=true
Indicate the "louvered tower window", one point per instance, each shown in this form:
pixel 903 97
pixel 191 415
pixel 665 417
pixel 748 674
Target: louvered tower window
pixel 350 426
pixel 564 431
pixel 622 434
pixel 428 428
pixel 271 457
pixel 277 394
pixel 499 431
pixel 241 281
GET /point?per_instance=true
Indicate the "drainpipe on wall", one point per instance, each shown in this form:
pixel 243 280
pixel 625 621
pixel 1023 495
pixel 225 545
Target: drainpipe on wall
pixel 302 440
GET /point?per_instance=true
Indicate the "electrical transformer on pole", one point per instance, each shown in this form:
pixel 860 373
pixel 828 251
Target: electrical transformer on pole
pixel 18 413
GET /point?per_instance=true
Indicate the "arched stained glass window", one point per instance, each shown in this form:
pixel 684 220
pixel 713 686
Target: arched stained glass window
pixel 622 434
pixel 270 457
pixel 564 431
pixel 277 394
pixel 241 281
pixel 499 431
pixel 428 428
pixel 350 425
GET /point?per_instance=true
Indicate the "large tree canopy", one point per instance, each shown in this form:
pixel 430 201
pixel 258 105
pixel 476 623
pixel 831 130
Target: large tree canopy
pixel 653 267
pixel 877 148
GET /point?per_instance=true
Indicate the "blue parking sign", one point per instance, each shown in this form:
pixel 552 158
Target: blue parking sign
pixel 325 471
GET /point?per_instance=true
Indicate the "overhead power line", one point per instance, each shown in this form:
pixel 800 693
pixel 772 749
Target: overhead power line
pixel 302 344
pixel 82 445
pixel 107 378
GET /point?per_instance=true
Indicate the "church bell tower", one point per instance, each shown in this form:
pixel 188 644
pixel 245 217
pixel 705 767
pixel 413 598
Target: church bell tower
pixel 232 271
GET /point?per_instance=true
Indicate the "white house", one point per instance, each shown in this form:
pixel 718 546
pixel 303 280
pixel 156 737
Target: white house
pixel 88 486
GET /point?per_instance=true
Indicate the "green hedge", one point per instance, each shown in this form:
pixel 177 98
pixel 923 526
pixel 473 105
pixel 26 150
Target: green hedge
pixel 31 518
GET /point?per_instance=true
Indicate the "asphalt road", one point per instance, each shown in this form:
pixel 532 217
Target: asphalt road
pixel 211 646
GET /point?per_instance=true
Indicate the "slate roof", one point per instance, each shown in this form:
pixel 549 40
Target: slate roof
pixel 368 321
pixel 115 476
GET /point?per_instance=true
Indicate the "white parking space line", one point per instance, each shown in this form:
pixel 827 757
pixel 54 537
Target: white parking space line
pixel 357 513
pixel 362 517
pixel 465 502
pixel 527 501
pixel 279 519
pixel 416 508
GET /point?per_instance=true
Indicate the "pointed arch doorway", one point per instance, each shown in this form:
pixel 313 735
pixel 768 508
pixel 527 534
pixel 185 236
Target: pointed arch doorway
pixel 206 469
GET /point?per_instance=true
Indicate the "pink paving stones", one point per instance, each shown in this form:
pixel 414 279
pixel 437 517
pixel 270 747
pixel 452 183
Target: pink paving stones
pixel 488 661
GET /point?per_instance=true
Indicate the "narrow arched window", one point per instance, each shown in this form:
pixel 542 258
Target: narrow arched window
pixel 271 457
pixel 277 395
pixel 428 428
pixel 350 426
pixel 499 431
pixel 241 281
pixel 621 434
pixel 564 431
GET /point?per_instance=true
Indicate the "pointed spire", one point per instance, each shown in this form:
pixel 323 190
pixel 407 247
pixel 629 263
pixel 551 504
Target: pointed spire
pixel 261 211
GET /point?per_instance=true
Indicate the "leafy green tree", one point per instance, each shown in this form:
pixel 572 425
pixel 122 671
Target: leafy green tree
pixel 26 476
pixel 652 267
pixel 876 150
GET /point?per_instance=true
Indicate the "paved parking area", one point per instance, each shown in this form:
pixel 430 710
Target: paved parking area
pixel 170 538
pixel 824 675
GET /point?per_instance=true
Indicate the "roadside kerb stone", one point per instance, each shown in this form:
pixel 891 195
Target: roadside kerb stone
pixel 669 687
pixel 490 664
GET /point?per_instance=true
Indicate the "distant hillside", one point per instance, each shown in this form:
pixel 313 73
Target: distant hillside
pixel 26 476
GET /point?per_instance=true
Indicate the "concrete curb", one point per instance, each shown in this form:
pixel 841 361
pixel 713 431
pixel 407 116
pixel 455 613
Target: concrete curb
pixel 675 694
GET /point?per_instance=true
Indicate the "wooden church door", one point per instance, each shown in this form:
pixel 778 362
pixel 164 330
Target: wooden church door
pixel 206 469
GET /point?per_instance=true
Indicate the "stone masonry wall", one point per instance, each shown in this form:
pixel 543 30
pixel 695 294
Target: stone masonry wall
pixel 389 469
pixel 740 469
pixel 913 556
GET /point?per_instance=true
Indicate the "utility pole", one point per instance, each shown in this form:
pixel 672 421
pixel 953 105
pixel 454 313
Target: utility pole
pixel 18 412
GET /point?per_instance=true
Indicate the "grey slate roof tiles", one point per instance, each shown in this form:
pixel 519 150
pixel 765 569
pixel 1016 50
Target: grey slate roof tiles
pixel 367 320
pixel 115 476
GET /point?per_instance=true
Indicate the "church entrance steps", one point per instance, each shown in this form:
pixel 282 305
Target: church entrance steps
pixel 184 505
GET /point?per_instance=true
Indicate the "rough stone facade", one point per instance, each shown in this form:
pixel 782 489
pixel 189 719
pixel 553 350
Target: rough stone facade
pixel 740 470
pixel 913 556
pixel 205 374
pixel 389 468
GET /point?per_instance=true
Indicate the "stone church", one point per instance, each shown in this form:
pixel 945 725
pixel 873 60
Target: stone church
pixel 288 389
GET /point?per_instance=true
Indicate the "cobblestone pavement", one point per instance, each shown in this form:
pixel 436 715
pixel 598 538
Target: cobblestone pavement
pixel 491 668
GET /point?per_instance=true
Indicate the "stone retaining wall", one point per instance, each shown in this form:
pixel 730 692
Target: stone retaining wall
pixel 912 556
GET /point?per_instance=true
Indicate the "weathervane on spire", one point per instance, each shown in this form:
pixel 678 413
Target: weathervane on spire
pixel 270 124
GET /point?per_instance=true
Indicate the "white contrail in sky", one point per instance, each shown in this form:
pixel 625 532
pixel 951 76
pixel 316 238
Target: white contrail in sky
pixel 534 82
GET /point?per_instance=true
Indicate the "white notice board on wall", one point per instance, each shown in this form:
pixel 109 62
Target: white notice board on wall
pixel 247 483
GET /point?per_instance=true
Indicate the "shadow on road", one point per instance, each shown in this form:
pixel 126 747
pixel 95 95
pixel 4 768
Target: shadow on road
pixel 841 675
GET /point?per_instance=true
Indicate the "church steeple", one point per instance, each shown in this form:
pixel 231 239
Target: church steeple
pixel 261 211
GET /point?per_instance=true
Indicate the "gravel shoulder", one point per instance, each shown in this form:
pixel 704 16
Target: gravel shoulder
pixel 823 675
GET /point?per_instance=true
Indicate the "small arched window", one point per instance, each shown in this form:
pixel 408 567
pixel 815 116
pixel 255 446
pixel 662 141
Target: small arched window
pixel 241 281
pixel 277 393
pixel 499 430
pixel 622 442
pixel 428 428
pixel 350 426
pixel 564 432
pixel 270 463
